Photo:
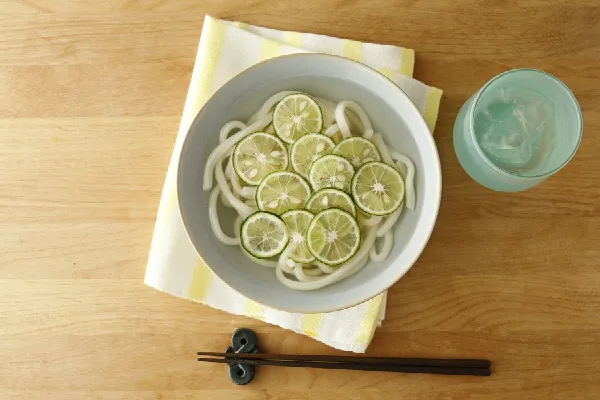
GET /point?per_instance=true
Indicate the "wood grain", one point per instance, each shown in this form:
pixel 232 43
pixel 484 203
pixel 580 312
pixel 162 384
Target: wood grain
pixel 91 97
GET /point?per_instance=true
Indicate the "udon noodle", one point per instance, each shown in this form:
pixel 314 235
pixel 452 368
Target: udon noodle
pixel 340 120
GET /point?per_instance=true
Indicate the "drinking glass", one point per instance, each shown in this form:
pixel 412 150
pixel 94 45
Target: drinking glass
pixel 521 127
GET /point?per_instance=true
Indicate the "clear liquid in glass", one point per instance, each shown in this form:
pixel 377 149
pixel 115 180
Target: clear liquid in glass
pixel 516 129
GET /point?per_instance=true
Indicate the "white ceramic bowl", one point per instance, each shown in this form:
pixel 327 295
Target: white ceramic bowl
pixel 334 78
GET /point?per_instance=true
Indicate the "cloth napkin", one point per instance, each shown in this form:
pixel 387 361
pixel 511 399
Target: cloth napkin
pixel 226 49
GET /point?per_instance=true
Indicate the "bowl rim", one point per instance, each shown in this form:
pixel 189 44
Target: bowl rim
pixel 430 218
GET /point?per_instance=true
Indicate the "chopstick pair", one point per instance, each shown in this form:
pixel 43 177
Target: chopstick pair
pixel 389 364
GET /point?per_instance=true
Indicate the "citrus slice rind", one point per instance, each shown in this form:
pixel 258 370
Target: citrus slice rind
pixel 258 155
pixel 357 150
pixel 295 116
pixel 264 235
pixel 377 188
pixel 308 149
pixel 333 236
pixel 331 171
pixel 281 191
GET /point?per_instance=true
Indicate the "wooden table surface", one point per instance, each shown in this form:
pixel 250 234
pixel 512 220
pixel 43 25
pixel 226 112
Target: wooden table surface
pixel 90 98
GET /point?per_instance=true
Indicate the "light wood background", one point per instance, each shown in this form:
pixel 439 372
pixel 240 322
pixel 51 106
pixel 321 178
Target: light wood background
pixel 90 97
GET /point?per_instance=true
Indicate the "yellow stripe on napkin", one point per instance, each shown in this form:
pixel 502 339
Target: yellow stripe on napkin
pixel 269 49
pixel 310 324
pixel 367 326
pixel 388 73
pixel 407 63
pixel 241 25
pixel 351 49
pixel 293 39
pixel 201 281
pixel 211 50
pixel 253 309
pixel 432 107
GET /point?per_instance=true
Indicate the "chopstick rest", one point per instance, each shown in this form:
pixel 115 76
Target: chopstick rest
pixel 243 355
pixel 243 341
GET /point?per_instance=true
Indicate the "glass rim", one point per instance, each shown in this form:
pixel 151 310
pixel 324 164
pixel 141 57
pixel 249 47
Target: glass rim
pixel 471 119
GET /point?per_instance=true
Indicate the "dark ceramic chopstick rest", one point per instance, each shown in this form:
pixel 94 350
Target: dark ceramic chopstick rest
pixel 242 341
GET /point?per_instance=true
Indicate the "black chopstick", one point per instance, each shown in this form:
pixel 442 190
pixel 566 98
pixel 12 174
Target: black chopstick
pixel 357 366
pixel 421 362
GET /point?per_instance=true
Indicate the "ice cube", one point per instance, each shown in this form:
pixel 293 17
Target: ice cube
pixel 510 129
pixel 536 119
pixel 506 147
